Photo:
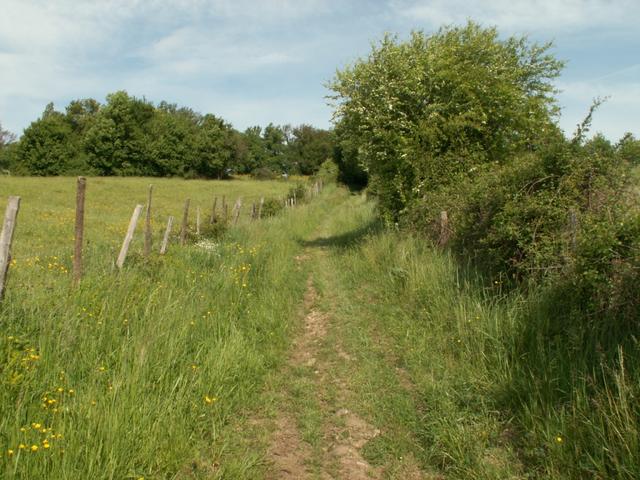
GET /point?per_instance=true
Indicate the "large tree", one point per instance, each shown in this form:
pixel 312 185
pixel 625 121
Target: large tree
pixel 116 144
pixel 423 112
pixel 308 147
pixel 46 147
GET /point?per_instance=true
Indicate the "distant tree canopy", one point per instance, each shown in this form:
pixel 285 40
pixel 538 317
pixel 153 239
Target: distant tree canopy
pixel 131 136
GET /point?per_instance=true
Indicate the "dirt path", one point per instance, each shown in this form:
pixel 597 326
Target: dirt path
pixel 344 432
pixel 333 446
pixel 315 424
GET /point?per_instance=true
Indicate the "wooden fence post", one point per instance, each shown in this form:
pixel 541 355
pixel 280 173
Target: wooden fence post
pixel 185 222
pixel 197 220
pixel 165 239
pixel 79 230
pixel 260 208
pixel 254 211
pixel 237 209
pixel 129 236
pixel 213 211
pixel 147 226
pixel 6 237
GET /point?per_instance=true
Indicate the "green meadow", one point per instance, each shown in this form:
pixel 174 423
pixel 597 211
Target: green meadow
pixel 185 365
pixel 133 373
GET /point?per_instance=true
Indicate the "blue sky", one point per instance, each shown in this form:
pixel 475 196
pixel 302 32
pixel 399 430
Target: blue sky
pixel 255 62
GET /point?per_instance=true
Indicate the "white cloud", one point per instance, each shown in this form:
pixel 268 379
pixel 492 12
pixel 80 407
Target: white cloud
pixel 617 115
pixel 523 15
pixel 198 50
pixel 181 50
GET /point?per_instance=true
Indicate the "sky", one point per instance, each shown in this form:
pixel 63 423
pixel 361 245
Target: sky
pixel 255 62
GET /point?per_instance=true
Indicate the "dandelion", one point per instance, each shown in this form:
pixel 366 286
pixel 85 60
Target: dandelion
pixel 10 452
pixel 209 400
pixel 559 439
pixel 34 448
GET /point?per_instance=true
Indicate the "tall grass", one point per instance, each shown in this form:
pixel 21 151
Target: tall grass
pixel 501 390
pixel 135 374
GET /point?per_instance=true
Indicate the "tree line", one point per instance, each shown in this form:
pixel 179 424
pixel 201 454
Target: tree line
pixel 128 136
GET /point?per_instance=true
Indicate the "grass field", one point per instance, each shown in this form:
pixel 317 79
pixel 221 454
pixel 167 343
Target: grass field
pixel 133 374
pixel 47 213
pixel 313 344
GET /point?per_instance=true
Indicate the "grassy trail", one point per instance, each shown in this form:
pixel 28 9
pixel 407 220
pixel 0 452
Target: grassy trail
pixel 316 419
pixel 311 345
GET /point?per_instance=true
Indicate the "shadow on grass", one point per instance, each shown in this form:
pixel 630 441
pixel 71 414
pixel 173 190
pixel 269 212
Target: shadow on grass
pixel 347 239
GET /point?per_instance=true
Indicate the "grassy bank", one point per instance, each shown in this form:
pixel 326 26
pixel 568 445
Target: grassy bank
pixel 476 382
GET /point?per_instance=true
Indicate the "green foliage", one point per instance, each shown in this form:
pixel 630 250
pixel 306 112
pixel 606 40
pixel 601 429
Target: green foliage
pixel 171 146
pixel 6 137
pixel 299 191
pixel 422 113
pixel 46 147
pixel 7 147
pixel 214 147
pixel 352 171
pixel 464 122
pixel 308 148
pixel 329 171
pixel 128 136
pixel 116 143
pixel 629 149
pixel 271 207
pixel 210 231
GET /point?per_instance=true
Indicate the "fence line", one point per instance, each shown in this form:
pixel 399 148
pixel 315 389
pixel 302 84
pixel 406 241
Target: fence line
pixel 13 207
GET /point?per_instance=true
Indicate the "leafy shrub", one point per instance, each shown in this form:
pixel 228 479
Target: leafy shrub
pixel 271 207
pixel 328 171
